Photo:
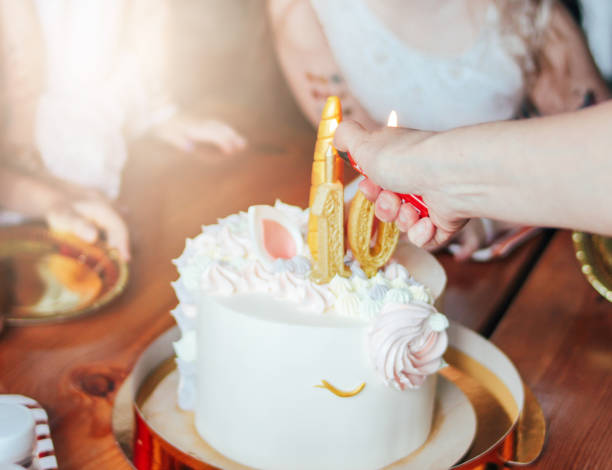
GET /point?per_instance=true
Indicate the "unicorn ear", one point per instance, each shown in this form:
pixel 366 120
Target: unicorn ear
pixel 274 234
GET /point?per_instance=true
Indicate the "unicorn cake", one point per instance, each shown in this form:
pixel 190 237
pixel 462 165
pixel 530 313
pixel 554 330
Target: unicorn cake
pixel 298 352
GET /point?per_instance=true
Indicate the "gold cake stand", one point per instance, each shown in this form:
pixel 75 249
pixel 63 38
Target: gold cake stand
pixel 510 425
pixel 594 252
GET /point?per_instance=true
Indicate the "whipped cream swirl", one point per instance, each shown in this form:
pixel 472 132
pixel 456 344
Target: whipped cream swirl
pixel 406 343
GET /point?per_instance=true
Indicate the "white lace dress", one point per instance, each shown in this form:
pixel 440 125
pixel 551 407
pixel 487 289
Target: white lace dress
pixel 103 80
pixel 484 83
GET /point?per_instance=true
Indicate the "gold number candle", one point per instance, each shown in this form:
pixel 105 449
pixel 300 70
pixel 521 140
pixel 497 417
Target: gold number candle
pixel 328 208
pixel 360 223
pixel 330 117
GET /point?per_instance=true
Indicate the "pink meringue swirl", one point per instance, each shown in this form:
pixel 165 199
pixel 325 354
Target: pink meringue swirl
pixel 406 343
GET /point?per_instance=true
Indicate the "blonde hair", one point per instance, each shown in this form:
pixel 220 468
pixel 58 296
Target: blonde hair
pixel 523 25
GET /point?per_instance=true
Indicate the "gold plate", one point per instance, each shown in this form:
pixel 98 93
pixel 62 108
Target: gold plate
pixel 594 252
pixel 51 277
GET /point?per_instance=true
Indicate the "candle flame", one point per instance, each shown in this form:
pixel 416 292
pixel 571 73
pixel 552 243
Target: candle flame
pixel 392 121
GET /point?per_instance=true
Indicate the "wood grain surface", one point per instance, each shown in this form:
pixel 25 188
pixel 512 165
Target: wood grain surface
pixel 558 332
pixel 478 294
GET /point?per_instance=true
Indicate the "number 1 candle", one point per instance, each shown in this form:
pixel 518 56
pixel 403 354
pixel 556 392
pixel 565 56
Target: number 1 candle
pixel 330 117
pixel 326 220
pixel 328 208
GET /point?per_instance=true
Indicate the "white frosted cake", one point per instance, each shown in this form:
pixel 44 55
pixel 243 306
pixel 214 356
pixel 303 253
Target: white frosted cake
pixel 284 373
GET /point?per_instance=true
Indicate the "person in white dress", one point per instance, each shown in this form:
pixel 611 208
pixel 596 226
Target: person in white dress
pixel 65 207
pixel 81 79
pixel 441 64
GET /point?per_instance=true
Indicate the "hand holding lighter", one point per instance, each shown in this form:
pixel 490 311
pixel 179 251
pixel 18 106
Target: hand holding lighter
pixel 412 199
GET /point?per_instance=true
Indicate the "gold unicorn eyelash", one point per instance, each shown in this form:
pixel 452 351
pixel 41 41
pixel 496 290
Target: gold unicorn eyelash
pixel 341 393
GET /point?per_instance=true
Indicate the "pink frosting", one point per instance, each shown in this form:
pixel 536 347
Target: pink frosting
pixel 232 244
pixel 406 343
pixel 256 277
pixel 222 280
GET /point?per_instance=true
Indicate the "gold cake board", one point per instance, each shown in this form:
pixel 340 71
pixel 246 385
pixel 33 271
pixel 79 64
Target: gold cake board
pixel 510 426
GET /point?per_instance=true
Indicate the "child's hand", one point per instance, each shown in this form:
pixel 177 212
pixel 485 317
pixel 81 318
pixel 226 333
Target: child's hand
pixel 65 206
pixel 487 239
pixel 87 218
pixel 476 234
pixel 185 131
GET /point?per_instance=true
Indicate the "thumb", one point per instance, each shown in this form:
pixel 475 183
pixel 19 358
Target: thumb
pixel 349 136
pixel 369 151
pixel 105 217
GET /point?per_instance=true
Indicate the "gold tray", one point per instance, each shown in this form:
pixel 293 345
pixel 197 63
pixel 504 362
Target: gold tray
pixel 50 277
pixel 594 252
pixel 510 424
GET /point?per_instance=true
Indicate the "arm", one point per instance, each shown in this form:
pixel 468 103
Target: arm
pixel 308 63
pixel 65 207
pixel 552 171
pixel 144 64
pixel 566 70
pixel 566 76
pixel 15 185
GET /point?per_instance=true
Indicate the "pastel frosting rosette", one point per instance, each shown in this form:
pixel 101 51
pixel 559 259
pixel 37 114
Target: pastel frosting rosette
pixel 406 343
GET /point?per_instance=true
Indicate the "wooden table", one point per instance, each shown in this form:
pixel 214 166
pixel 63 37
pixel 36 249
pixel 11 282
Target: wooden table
pixel 535 305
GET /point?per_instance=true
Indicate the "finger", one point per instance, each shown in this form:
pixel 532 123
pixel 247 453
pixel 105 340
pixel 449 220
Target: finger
pixel 349 135
pixel 218 133
pixel 422 232
pixel 107 219
pixel 234 141
pixel 369 189
pixel 177 139
pixel 371 151
pixel 240 142
pixel 225 142
pixel 468 244
pixel 387 206
pixel 407 217
pixel 441 238
pixel 66 221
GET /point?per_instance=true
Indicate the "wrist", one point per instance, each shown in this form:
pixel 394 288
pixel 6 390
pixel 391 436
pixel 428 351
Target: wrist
pixel 456 174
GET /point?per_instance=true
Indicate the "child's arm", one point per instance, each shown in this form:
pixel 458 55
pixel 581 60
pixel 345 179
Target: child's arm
pixel 566 70
pixel 155 113
pixel 65 207
pixel 308 63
